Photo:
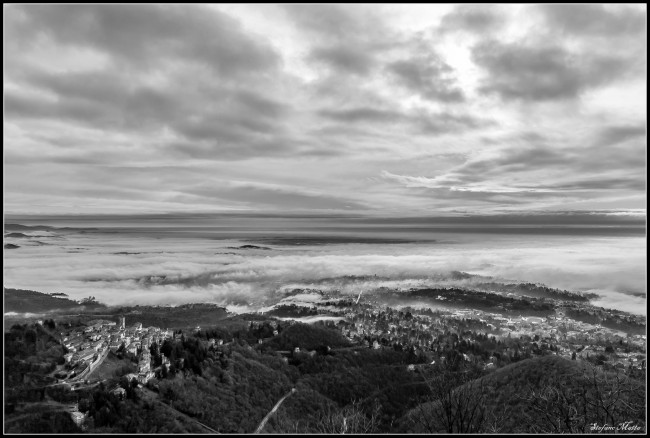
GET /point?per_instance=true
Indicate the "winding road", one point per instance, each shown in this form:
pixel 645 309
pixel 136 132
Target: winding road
pixel 272 411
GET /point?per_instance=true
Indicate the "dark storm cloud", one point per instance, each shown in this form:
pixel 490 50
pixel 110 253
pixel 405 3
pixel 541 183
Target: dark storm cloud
pixel 141 34
pixel 228 144
pixel 539 73
pixel 99 99
pixel 594 19
pixel 21 106
pixel 362 114
pixel 428 76
pixel 332 22
pixel 260 104
pixel 348 39
pixel 222 111
pixel 308 102
pixel 355 60
pixel 237 124
pixel 614 135
pixel 472 18
pixel 232 120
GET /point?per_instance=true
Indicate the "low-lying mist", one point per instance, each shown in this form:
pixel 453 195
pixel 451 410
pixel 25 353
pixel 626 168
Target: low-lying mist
pixel 131 268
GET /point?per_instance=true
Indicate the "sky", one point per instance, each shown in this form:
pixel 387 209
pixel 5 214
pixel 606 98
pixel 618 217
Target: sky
pixel 365 109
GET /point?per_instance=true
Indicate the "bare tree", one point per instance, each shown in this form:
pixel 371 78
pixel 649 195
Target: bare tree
pixel 283 424
pixel 456 404
pixel 350 419
pixel 557 409
pixel 602 398
pixel 496 420
pixel 615 397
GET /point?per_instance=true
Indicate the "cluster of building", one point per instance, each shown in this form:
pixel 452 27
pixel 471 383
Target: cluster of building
pixel 145 373
pixel 88 346
pixel 427 331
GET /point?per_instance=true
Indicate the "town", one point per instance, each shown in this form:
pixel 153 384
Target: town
pixel 124 358
pixel 491 338
pixel 88 347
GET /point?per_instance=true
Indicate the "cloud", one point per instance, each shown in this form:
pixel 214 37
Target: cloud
pixel 478 19
pixel 542 72
pixel 362 114
pixel 321 98
pixel 530 166
pixel 238 124
pixel 594 19
pixel 443 122
pixel 93 99
pixel 345 58
pixel 349 23
pixel 633 183
pixel 145 35
pixel 613 135
pixel 428 76
pixel 515 159
pixel 417 121
pixel 441 183
pixel 279 196
pixel 217 106
pixel 349 40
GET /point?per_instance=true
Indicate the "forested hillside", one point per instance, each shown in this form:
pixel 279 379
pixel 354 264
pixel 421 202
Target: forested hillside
pixel 326 384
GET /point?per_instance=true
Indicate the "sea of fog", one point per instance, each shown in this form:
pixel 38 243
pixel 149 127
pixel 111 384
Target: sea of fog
pixel 172 260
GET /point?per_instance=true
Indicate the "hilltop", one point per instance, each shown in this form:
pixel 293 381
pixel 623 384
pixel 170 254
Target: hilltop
pixel 20 301
pixel 29 301
pixel 307 336
pixel 16 235
pixel 515 396
pixel 19 227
